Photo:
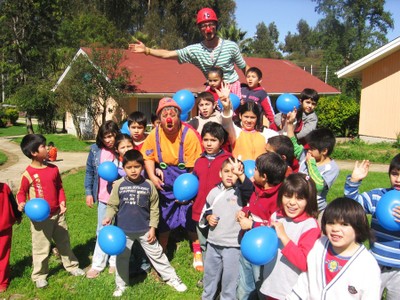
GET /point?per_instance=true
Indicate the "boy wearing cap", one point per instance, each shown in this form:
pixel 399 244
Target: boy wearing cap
pixel 172 147
pixel 212 51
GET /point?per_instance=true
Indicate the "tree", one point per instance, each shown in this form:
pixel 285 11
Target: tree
pixel 236 35
pixel 350 30
pixel 265 42
pixel 91 84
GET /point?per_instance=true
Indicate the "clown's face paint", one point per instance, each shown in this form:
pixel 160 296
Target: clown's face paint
pixel 170 121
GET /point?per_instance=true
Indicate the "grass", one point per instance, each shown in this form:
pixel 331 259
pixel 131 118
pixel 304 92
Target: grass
pixel 82 226
pixel 18 129
pixel 3 158
pixel 359 150
pixel 64 142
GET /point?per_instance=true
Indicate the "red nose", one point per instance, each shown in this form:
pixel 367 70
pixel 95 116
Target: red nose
pixel 169 120
pixel 209 30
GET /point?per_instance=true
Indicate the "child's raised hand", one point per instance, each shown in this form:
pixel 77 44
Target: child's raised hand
pixel 360 171
pixel 106 221
pixel 237 166
pixel 396 213
pixel 223 94
pixel 63 208
pixel 212 220
pixel 291 116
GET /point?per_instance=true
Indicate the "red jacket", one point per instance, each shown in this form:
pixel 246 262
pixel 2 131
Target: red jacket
pixel 8 208
pixel 207 171
pixel 263 203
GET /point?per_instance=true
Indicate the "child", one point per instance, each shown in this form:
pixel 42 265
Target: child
pixel 44 181
pixel 223 248
pixel 9 214
pixel 308 119
pixel 215 77
pixel 137 123
pixel 123 143
pixel 207 169
pixel 268 176
pixel 386 247
pixel 246 141
pixel 134 200
pixel 315 160
pixel 207 112
pixel 155 121
pixel 98 190
pixel 253 91
pixel 339 266
pixel 282 145
pixel 52 152
pixel 297 229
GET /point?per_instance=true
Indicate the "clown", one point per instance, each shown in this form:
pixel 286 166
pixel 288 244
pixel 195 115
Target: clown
pixel 172 147
pixel 212 51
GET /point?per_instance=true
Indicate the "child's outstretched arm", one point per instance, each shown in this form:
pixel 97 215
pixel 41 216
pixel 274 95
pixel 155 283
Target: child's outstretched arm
pixel 290 119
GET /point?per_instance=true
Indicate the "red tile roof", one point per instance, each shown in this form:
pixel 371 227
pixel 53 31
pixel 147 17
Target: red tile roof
pixel 154 75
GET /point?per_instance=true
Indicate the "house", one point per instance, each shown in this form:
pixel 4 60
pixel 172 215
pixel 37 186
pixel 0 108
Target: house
pixel 155 78
pixel 379 72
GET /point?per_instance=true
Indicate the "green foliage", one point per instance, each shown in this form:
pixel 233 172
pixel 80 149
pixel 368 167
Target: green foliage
pixel 236 35
pixel 8 116
pixel 265 42
pixel 3 158
pixel 357 149
pixel 17 129
pixel 338 113
pixel 64 142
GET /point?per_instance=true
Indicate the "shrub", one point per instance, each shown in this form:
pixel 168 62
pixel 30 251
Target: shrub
pixel 339 113
pixel 12 115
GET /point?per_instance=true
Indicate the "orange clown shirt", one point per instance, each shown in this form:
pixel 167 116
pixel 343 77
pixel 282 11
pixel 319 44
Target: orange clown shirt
pixel 170 147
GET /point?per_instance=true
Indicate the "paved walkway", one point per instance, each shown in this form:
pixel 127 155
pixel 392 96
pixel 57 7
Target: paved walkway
pixel 17 162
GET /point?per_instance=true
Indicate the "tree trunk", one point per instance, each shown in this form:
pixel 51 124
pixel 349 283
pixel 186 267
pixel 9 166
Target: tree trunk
pixel 29 127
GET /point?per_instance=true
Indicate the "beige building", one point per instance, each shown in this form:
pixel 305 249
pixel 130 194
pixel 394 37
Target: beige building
pixel 379 72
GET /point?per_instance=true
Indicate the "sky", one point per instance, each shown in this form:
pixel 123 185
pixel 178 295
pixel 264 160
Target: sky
pixel 287 13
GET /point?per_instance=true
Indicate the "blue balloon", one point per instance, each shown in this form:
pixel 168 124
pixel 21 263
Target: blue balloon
pixel 37 209
pixel 112 240
pixel 184 117
pixel 259 245
pixel 249 167
pixel 185 100
pixel 185 187
pixel 125 128
pixel 234 99
pixel 108 171
pixel 384 210
pixel 286 103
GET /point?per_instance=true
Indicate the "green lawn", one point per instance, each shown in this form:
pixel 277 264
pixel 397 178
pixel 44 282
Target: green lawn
pixel 82 227
pixel 3 158
pixel 18 129
pixel 64 142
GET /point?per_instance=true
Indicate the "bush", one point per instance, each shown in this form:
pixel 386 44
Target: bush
pixel 8 116
pixel 339 113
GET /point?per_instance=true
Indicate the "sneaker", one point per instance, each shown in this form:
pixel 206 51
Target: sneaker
pixel 92 273
pixel 41 283
pixel 198 262
pixel 77 272
pixel 118 291
pixel 177 284
pixel 111 270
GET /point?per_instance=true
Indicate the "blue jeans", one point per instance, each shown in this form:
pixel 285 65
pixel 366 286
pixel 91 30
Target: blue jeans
pixel 99 260
pixel 250 280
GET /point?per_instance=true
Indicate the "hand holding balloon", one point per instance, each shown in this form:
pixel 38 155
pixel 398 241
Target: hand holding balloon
pixel 280 232
pixel 396 214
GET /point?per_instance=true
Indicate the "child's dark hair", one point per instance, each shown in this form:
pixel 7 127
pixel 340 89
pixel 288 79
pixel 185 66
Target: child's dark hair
pixel 137 117
pixel 216 130
pixel 154 118
pixel 254 108
pixel 303 187
pixel 273 166
pixel 348 211
pixel 308 93
pixel 321 139
pixel 217 70
pixel 30 144
pixel 106 128
pixel 283 146
pixel 205 96
pixel 255 70
pixel 394 163
pixel 133 155
pixel 50 144
pixel 122 137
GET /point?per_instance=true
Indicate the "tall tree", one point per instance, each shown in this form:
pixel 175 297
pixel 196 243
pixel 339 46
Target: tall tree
pixel 350 30
pixel 265 41
pixel 236 35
